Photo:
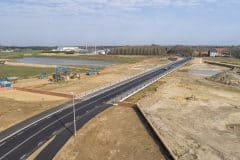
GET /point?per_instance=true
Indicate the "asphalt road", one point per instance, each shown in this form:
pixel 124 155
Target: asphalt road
pixel 22 144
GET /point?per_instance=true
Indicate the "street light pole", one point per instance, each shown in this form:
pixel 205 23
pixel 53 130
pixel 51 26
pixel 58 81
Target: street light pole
pixel 74 114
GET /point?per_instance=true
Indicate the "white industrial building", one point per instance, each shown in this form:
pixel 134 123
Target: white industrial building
pixel 67 49
pixel 101 52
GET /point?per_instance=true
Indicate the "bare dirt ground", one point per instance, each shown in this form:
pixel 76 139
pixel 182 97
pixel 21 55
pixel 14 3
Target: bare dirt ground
pixel 115 134
pixel 16 106
pixel 28 64
pixel 198 118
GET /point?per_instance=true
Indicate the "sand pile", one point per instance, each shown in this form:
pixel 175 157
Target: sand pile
pixel 230 77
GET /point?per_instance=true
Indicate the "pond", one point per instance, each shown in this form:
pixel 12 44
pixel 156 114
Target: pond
pixel 205 72
pixel 63 61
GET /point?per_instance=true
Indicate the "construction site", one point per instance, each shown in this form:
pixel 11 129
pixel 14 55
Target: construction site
pixel 162 114
pixel 50 87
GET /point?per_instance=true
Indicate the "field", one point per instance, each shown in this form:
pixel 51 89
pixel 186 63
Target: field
pixel 112 58
pixel 22 71
pixel 19 54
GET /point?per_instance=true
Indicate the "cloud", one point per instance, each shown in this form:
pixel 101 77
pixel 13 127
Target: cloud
pixel 69 7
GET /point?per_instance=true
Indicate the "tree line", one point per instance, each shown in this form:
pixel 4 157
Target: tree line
pixel 139 50
pixel 235 52
pixel 152 50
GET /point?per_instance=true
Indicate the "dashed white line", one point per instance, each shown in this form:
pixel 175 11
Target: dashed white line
pixel 2 144
pixel 23 156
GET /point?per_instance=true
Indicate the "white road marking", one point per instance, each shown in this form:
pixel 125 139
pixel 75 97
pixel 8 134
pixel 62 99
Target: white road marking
pixel 23 156
pixel 2 144
pixel 20 133
pixel 40 143
pixel 68 106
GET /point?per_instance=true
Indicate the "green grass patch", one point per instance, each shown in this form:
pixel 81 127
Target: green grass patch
pixel 19 54
pixel 27 72
pixel 143 93
pixel 235 61
pixel 22 71
pixel 111 58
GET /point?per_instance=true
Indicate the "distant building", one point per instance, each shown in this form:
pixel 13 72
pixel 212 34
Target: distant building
pixel 222 50
pixel 219 51
pixel 6 50
pixel 67 49
pixel 70 49
pixel 213 53
pixel 101 52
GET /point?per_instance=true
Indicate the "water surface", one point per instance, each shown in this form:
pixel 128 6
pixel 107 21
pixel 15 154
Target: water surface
pixel 62 61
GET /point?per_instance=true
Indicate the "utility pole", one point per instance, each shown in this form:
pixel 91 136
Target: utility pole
pixel 86 46
pixel 74 114
pixel 95 49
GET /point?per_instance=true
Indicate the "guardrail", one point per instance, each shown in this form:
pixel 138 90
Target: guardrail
pixel 109 85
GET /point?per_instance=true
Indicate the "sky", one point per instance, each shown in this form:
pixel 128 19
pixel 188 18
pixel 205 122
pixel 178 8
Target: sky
pixel 119 22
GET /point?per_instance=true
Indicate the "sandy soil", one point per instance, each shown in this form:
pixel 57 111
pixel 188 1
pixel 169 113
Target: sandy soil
pixel 20 106
pixel 16 106
pixel 28 64
pixel 115 134
pixel 199 119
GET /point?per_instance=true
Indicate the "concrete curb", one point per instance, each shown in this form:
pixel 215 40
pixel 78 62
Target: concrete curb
pixel 157 132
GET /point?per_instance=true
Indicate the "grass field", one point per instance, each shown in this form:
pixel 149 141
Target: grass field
pixel 112 58
pixel 235 61
pixel 19 54
pixel 26 72
pixel 22 71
